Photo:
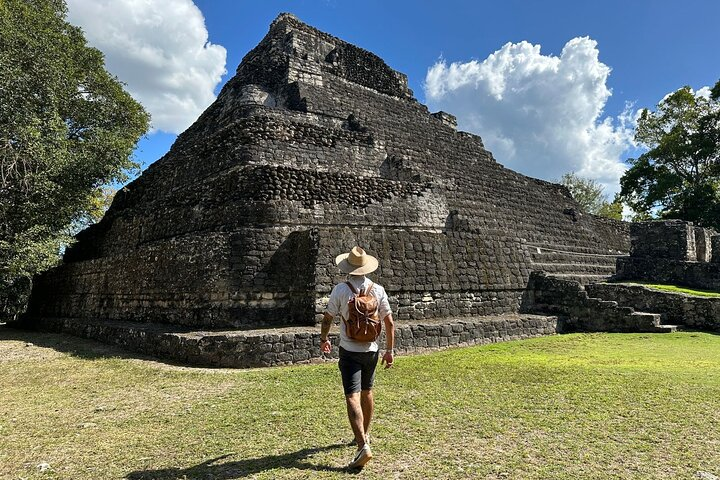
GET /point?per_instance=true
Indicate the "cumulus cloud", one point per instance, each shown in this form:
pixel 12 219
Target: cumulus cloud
pixel 539 115
pixel 160 49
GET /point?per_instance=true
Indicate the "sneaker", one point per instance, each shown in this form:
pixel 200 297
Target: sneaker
pixel 362 457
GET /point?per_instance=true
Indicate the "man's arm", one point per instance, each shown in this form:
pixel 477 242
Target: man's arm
pixel 325 345
pixel 389 355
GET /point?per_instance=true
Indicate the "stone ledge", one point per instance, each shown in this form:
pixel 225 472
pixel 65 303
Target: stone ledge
pixel 290 345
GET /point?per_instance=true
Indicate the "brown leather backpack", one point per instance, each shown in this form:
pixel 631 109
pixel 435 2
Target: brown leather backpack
pixel 363 323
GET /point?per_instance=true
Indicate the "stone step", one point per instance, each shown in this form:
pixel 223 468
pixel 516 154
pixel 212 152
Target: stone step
pixel 650 322
pixel 575 268
pixel 587 249
pixel 547 256
pixel 667 328
pixel 583 279
pixel 645 319
pixel 599 302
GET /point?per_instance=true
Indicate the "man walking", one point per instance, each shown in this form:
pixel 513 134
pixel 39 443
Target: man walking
pixel 358 359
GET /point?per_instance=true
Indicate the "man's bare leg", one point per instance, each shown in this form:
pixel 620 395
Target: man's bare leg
pixel 367 403
pixel 355 415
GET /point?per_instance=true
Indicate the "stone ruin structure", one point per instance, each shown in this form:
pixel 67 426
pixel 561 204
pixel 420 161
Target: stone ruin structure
pixel 673 252
pixel 670 252
pixel 221 253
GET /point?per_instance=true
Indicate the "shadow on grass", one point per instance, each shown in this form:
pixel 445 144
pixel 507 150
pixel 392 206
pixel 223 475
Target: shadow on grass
pixel 694 331
pixel 244 468
pixel 76 346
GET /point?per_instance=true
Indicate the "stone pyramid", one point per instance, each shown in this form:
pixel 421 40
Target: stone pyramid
pixel 315 146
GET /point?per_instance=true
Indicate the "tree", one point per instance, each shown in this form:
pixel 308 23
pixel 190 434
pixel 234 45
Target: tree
pixel 591 196
pixel 679 175
pixel 612 209
pixel 67 128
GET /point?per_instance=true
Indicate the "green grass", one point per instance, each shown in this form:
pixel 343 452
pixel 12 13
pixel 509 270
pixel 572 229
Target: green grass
pixel 573 406
pixel 676 289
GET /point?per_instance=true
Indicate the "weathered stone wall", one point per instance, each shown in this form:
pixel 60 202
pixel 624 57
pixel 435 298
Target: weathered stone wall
pixel 433 275
pixel 715 248
pixel 672 272
pixel 670 239
pixel 673 252
pixel 280 276
pixel 402 130
pixel 703 243
pixel 212 280
pixel 265 195
pixel 702 313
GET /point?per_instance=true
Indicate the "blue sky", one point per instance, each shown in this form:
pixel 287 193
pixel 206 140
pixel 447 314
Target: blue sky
pixel 558 93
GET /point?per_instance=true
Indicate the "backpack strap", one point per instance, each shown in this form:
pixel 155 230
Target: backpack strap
pixel 352 289
pixel 369 288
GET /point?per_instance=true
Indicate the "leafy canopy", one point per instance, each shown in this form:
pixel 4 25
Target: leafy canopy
pixel 67 128
pixel 679 175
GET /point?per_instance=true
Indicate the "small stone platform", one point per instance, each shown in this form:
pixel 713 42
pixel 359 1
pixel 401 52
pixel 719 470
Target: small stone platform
pixel 290 345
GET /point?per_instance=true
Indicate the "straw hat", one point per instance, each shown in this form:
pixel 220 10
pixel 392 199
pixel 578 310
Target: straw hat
pixel 357 262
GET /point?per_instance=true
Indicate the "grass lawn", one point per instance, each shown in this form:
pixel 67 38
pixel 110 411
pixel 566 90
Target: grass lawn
pixel 572 406
pixel 676 289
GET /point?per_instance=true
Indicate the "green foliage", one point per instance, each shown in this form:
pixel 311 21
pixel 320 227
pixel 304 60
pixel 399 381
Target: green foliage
pixel 679 175
pixel 591 196
pixel 588 193
pixel 98 203
pixel 67 128
pixel 612 210
pixel 677 289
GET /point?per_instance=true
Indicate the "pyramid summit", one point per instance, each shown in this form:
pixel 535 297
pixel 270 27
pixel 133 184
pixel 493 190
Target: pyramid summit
pixel 314 146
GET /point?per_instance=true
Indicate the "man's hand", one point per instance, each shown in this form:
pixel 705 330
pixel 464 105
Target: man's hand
pixel 387 359
pixel 390 341
pixel 325 345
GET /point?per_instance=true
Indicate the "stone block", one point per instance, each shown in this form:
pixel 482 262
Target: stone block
pixel 715 248
pixel 703 244
pixel 669 239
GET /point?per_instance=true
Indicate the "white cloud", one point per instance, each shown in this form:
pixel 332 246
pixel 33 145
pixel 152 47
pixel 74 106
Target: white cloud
pixel 539 115
pixel 160 49
pixel 704 92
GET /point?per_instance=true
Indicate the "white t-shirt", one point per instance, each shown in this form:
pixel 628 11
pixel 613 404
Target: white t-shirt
pixel 338 305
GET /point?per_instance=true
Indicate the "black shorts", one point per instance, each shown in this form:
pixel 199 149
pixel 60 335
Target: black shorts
pixel 357 370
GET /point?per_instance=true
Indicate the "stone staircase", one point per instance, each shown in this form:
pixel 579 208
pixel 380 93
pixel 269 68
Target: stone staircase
pixel 652 321
pixel 583 264
pixel 678 309
pixel 550 294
